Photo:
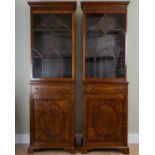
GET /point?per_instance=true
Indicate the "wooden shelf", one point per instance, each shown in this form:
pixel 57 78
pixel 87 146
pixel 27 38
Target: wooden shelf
pixel 112 31
pixel 41 29
pixel 48 57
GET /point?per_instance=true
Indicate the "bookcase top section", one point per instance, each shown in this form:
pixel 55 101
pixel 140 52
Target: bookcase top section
pixel 54 5
pixel 105 6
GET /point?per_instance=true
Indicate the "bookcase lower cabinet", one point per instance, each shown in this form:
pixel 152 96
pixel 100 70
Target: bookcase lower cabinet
pixel 52 116
pixel 105 117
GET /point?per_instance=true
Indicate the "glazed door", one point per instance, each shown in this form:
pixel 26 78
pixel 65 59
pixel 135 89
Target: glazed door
pixel 52 118
pixel 104 45
pixel 105 118
pixel 52 45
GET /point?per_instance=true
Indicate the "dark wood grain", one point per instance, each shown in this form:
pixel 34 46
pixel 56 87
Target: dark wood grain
pixel 52 99
pixel 50 124
pixel 105 100
pixel 52 6
pixel 106 6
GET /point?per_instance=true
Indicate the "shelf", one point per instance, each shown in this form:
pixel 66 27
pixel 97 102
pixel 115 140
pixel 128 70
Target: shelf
pixel 56 33
pixel 97 29
pixel 100 57
pixel 112 31
pixel 51 57
pixel 41 29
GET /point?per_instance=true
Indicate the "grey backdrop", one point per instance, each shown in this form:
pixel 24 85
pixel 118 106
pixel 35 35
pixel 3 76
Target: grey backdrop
pixel 23 66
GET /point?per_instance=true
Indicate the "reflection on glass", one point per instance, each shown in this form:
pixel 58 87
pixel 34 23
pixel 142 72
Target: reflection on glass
pixel 52 50
pixel 105 45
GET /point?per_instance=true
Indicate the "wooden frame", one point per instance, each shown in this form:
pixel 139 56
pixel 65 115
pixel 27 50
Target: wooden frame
pixel 55 93
pixel 60 7
pixel 95 8
pixel 103 87
pixel 106 6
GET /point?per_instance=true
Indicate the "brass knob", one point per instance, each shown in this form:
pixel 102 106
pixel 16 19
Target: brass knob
pixel 93 89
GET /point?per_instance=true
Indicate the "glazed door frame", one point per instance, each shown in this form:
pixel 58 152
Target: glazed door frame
pixel 99 11
pixel 72 13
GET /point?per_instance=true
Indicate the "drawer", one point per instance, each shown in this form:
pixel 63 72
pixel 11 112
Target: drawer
pixel 104 88
pixel 54 88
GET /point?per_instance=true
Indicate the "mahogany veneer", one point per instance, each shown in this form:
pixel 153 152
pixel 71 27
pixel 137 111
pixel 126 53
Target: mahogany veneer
pixel 52 81
pixel 105 89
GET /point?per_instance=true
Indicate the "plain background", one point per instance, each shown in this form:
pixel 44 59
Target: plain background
pixel 22 66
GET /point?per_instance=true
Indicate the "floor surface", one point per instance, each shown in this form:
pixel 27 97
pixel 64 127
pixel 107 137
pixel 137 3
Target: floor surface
pixel 21 149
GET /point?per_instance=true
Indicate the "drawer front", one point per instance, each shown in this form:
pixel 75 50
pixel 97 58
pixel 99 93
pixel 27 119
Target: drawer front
pixel 54 88
pixel 104 88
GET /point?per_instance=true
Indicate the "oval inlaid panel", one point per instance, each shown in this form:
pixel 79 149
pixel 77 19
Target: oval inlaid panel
pixel 52 121
pixel 105 120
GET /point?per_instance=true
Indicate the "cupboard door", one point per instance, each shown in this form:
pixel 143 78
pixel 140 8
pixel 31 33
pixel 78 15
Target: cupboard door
pixel 105 118
pixel 52 122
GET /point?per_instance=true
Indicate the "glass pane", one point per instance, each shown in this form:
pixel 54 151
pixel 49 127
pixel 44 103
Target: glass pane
pixel 105 45
pixel 52 50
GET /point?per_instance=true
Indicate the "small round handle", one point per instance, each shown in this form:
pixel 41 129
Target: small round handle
pixel 93 89
pixel 37 88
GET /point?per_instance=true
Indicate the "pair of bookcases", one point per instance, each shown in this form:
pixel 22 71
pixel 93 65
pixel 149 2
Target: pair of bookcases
pixel 52 96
